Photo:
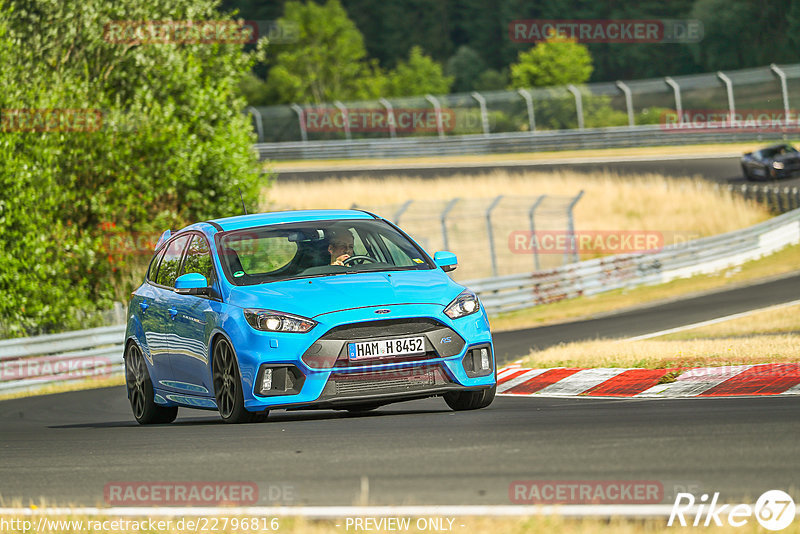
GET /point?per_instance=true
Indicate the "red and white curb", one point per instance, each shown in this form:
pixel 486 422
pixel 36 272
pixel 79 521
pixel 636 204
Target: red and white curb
pixel 737 380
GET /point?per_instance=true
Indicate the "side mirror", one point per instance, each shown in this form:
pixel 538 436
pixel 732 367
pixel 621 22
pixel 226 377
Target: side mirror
pixel 191 284
pixel 446 260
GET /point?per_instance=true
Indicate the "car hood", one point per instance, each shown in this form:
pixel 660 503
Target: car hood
pixel 311 297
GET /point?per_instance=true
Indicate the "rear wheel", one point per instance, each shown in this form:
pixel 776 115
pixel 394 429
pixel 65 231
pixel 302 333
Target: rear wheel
pixel 140 391
pixel 228 387
pixel 470 400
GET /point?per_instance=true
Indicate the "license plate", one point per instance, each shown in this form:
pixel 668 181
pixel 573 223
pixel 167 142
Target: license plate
pixel 366 350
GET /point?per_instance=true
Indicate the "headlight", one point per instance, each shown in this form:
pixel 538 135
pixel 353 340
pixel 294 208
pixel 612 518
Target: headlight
pixel 465 304
pixel 271 321
pixel 777 165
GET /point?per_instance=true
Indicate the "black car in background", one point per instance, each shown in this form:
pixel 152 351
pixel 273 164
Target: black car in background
pixel 771 163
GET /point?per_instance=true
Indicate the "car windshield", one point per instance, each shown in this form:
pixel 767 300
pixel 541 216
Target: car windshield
pixel 771 152
pixel 319 248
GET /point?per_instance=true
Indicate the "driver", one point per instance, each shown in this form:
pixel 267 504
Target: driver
pixel 341 246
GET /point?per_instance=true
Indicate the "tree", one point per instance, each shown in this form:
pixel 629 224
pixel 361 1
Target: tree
pixel 556 61
pixel 168 145
pixel 418 76
pixel 328 62
pixel 465 66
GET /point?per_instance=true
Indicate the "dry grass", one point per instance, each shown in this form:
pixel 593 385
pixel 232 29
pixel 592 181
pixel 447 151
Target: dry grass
pixel 478 525
pixel 780 320
pixel 77 385
pixel 782 262
pixel 610 202
pixel 660 354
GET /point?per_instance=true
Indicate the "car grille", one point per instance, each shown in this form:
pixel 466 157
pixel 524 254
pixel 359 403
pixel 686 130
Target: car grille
pixel 390 327
pixel 330 350
pixel 385 382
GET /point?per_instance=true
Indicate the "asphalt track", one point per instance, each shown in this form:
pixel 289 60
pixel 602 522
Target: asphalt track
pixel 65 448
pixel 724 170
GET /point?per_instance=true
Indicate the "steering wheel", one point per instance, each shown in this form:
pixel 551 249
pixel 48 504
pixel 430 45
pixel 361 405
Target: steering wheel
pixel 361 260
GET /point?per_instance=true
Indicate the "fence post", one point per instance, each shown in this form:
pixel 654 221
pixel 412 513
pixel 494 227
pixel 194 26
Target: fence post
pixel 301 117
pixel 571 229
pixel 578 104
pixel 259 127
pixel 529 104
pixel 345 118
pixel 729 87
pixel 484 115
pixel 443 218
pixel 628 100
pixel 437 109
pixel 784 92
pixel 532 226
pixel 390 118
pixel 796 195
pixel 489 210
pixel 401 211
pixel 676 90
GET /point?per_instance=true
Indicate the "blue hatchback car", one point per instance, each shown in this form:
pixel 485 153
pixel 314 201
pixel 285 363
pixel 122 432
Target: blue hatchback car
pixel 319 309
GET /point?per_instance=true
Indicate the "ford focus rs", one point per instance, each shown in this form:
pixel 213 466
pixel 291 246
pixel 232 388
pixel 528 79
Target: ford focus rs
pixel 328 309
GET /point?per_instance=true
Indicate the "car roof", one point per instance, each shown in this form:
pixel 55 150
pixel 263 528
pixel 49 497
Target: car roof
pixel 277 217
pixel 776 146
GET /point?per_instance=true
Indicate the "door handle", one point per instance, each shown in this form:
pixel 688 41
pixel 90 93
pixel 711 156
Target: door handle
pixel 173 312
pixel 144 306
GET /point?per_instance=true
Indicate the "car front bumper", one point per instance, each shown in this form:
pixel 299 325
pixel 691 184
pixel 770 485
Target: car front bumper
pixel 329 379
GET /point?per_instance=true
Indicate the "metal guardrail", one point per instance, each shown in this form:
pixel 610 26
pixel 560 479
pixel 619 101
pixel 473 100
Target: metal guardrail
pixel 36 362
pixel 700 256
pixel 777 198
pixel 515 142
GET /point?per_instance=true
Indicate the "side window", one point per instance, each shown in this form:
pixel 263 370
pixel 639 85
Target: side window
pixel 168 270
pixel 153 270
pixel 198 259
pixel 400 258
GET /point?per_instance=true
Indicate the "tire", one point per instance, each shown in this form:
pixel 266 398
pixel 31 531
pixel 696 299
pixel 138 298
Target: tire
pixel 470 400
pixel 228 386
pixel 140 391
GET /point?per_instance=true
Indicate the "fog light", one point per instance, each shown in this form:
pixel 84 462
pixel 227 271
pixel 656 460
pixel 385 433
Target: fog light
pixel 484 359
pixel 266 381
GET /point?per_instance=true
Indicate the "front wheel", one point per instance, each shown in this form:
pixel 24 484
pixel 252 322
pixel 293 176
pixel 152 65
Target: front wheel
pixel 228 387
pixel 470 400
pixel 140 391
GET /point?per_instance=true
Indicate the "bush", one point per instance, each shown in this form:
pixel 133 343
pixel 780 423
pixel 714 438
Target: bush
pixel 173 147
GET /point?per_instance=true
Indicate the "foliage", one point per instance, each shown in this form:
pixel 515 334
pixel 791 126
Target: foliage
pixel 556 61
pixel 418 76
pixel 492 80
pixel 465 66
pixel 172 147
pixel 328 62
